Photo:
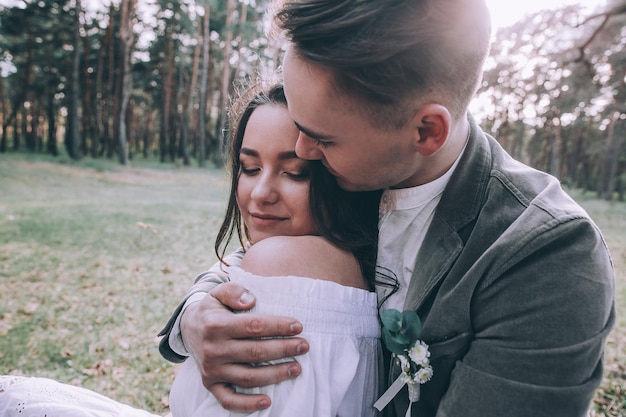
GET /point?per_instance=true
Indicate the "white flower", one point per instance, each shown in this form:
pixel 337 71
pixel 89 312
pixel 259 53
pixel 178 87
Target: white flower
pixel 405 365
pixel 407 378
pixel 423 374
pixel 419 353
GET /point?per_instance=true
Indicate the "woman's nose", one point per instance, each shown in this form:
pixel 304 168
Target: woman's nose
pixel 264 191
pixel 307 148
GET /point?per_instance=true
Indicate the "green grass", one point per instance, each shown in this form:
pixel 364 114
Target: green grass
pixel 94 257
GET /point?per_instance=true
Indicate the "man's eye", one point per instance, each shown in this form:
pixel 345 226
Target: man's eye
pixel 322 143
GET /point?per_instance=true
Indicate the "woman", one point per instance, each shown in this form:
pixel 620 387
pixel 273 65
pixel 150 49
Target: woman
pixel 310 255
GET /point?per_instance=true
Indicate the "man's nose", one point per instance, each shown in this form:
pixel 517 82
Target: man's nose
pixel 307 148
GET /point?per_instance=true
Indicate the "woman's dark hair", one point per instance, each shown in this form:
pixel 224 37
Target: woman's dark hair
pixel 240 114
pixel 347 219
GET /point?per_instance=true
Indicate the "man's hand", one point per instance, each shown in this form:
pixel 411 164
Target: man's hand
pixel 223 344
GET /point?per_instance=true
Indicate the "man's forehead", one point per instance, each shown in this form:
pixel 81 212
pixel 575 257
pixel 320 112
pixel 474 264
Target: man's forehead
pixel 315 81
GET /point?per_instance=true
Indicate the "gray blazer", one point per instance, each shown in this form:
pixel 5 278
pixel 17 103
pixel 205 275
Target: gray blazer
pixel 515 288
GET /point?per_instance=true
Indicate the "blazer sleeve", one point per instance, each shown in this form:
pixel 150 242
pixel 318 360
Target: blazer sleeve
pixel 541 318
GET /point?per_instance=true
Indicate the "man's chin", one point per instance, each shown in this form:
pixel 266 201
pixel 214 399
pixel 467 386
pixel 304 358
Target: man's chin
pixel 349 186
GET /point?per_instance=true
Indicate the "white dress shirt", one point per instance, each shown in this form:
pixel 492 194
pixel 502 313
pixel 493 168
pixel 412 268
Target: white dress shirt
pixel 405 215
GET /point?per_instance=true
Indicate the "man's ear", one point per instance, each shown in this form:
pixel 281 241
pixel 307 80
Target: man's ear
pixel 432 127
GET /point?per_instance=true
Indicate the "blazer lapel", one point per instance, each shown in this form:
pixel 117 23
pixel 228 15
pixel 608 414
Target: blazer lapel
pixel 458 208
pixel 440 249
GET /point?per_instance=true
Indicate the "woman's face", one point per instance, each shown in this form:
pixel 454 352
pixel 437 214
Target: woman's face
pixel 273 186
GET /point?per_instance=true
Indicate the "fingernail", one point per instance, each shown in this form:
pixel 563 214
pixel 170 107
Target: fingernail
pixel 294 371
pixel 263 404
pixel 295 328
pixel 302 348
pixel 246 298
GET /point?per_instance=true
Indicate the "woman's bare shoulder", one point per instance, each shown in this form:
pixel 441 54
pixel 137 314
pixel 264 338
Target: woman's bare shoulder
pixel 306 256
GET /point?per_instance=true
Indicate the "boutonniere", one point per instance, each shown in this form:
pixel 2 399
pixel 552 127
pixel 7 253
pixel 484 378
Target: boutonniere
pixel 401 336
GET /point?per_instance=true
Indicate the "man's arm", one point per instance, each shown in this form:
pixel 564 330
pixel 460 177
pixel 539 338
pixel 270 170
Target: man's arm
pixel 540 318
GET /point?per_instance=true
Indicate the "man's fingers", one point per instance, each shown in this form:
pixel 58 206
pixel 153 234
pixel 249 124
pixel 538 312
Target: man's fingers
pixel 265 350
pixel 233 295
pixel 246 326
pixel 243 403
pixel 248 376
pixel 244 351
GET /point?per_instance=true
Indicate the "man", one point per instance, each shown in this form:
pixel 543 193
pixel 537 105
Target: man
pixel 511 279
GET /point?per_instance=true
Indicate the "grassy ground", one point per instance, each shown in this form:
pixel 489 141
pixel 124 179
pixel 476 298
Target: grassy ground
pixel 94 257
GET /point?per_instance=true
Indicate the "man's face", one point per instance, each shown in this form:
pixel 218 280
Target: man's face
pixel 333 130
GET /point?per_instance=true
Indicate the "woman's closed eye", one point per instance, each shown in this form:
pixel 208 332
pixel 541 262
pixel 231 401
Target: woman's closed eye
pixel 249 171
pixel 300 175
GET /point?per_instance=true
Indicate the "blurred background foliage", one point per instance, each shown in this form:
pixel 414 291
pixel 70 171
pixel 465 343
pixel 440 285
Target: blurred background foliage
pixel 151 79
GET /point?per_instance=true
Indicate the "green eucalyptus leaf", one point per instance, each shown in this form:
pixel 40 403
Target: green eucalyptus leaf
pixel 400 330
pixel 391 343
pixel 392 320
pixel 411 324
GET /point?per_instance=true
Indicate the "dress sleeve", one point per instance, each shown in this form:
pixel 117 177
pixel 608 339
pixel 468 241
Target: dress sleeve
pixel 340 373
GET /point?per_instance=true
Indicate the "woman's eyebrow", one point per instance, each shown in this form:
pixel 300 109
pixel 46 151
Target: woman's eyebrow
pixel 311 133
pixel 282 155
pixel 288 155
pixel 249 152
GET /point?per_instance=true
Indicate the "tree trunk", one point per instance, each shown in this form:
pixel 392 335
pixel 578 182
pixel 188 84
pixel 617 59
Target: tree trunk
pixel 518 142
pixel 24 127
pixel 148 133
pixel 72 135
pixel 33 132
pixel 203 88
pixel 168 74
pixel 101 95
pixel 126 36
pixel 184 120
pixel 218 157
pixel 17 133
pixel 87 102
pixel 243 18
pixel 188 113
pixel 3 112
pixel 610 160
pixel 51 145
pixel 112 86
pixel 20 98
pixel 555 151
pixel 573 159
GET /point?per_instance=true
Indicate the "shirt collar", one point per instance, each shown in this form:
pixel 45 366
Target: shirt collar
pixel 413 197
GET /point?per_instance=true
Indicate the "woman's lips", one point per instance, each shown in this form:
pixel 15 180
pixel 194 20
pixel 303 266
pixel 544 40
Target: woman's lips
pixel 265 219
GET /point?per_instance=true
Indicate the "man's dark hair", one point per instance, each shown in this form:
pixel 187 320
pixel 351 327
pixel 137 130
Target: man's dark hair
pixel 390 52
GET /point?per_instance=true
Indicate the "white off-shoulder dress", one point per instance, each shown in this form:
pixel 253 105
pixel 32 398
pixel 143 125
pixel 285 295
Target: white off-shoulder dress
pixel 43 397
pixel 340 374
